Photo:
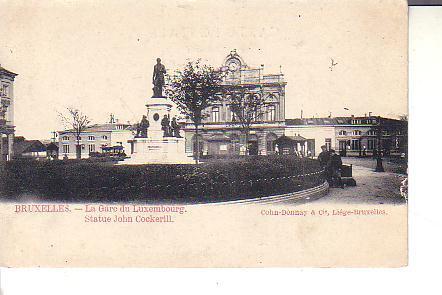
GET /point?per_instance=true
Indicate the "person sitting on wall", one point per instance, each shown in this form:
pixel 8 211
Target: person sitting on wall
pixel 333 170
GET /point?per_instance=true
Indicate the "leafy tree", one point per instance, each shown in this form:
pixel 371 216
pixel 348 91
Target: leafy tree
pixel 76 122
pixel 194 89
pixel 247 108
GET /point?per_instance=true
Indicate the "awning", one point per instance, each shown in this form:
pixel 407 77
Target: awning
pixel 295 138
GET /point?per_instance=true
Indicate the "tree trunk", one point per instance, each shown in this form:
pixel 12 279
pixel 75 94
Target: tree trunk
pixel 78 150
pixel 247 140
pixel 197 158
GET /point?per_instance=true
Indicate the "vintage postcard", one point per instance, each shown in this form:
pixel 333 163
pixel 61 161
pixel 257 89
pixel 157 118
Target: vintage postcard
pixel 203 134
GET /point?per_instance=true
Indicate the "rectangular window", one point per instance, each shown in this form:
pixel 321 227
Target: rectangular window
pixel 271 113
pixel 65 149
pixel 223 147
pixel 355 144
pixel 232 116
pixel 91 148
pixel 328 143
pixel 5 90
pixel 370 144
pixel 215 114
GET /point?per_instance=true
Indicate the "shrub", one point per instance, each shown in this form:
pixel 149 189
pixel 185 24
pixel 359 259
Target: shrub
pixel 77 180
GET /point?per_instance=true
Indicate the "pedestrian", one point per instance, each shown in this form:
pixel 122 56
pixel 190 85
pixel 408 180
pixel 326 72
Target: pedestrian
pixel 334 167
pixel 323 157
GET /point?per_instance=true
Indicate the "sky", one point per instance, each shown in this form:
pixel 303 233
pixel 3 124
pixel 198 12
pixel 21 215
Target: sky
pixel 98 56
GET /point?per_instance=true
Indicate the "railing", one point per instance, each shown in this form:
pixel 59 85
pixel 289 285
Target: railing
pixel 253 77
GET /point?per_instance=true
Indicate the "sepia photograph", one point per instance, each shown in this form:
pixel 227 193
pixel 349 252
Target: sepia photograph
pixel 160 122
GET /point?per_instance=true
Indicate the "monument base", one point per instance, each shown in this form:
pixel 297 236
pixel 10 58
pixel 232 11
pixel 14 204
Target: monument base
pixel 169 150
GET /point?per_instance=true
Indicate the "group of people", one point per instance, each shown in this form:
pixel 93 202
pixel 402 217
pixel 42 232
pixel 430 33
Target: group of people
pixel 331 162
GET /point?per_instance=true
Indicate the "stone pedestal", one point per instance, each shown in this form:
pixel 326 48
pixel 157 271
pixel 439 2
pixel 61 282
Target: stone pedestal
pixel 169 150
pixel 157 149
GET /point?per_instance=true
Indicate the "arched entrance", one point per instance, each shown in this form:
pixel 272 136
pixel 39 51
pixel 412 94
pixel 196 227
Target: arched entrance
pixel 253 144
pixel 271 143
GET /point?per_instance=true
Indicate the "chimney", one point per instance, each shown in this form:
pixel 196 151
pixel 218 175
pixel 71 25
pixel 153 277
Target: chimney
pixel 301 114
pixel 369 114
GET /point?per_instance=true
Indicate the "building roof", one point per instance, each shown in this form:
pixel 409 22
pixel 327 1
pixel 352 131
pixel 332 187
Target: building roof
pixel 319 121
pixel 102 128
pixel 291 138
pixel 6 72
pixel 373 120
pixel 53 146
pixel 28 146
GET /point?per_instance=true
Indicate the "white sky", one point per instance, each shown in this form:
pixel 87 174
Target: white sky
pixel 98 56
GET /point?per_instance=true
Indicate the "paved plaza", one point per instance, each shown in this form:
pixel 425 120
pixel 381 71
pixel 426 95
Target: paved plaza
pixel 372 187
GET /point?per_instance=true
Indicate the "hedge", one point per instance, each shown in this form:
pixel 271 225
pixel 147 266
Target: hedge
pixel 232 179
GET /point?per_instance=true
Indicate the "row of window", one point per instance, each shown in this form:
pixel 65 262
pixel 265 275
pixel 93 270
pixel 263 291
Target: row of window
pixel 66 138
pixel 363 121
pixel 357 132
pixel 66 149
pixel 268 115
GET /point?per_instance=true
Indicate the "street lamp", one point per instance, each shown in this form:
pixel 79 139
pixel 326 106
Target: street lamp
pixel 379 166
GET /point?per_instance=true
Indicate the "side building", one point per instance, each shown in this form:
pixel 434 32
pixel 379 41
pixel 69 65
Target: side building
pixel 96 139
pixel 221 133
pixel 7 127
pixel 351 136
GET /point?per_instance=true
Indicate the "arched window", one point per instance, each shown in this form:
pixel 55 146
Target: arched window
pixel 357 132
pixel 342 132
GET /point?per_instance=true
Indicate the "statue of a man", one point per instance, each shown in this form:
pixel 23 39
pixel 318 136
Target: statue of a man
pixel 175 128
pixel 158 78
pixel 165 126
pixel 144 124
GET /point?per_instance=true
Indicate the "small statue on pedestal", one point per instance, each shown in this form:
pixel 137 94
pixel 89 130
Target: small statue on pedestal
pixel 142 128
pixel 175 128
pixel 165 126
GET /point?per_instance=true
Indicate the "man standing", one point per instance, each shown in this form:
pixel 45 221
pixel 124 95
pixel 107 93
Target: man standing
pixel 323 157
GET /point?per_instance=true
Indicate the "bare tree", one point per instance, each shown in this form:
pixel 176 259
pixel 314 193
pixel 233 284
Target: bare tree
pixel 247 108
pixel 194 89
pixel 76 122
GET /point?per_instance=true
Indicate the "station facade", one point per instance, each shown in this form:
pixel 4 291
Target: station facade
pixel 221 133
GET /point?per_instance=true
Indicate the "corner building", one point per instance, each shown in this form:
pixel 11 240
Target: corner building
pixel 7 127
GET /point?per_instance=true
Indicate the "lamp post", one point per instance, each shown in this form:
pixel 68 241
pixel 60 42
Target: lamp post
pixel 379 166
